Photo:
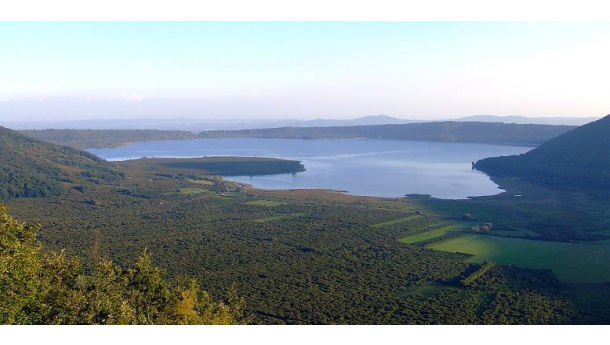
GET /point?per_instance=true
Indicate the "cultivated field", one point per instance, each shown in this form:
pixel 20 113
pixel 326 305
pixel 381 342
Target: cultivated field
pixel 571 262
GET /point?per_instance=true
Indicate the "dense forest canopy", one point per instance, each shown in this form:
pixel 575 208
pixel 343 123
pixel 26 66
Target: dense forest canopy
pixel 46 287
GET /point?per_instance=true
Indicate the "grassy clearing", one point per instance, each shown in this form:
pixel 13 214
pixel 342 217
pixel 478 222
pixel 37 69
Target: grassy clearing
pixel 202 182
pixel 551 214
pixel 571 262
pixel 423 291
pixel 268 203
pixel 232 195
pixel 193 191
pixel 279 217
pixel 394 222
pixel 437 232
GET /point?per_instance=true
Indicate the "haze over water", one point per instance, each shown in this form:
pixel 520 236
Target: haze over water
pixel 383 168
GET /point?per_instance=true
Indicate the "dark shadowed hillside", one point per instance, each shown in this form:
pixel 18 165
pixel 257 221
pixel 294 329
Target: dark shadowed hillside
pixel 577 159
pixel 30 168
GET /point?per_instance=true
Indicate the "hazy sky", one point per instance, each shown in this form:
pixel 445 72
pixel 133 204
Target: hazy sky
pixel 419 70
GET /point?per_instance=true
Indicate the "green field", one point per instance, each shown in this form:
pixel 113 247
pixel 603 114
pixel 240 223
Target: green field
pixel 268 203
pixel 571 262
pixel 279 217
pixel 393 222
pixel 437 232
pixel 193 191
pixel 202 182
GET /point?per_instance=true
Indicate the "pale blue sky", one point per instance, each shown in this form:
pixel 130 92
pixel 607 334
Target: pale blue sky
pixel 420 70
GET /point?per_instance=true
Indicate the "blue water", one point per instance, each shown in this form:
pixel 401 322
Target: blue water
pixel 384 168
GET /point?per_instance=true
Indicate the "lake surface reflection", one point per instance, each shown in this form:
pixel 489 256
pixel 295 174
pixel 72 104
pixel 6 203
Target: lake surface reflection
pixel 384 168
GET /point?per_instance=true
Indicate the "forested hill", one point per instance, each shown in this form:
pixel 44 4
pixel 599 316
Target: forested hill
pixel 99 138
pixel 30 168
pixel 577 159
pixel 478 132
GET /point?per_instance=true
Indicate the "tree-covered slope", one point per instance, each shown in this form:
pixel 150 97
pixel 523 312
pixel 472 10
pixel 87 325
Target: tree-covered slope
pixel 89 138
pixel 30 168
pixel 474 132
pixel 577 159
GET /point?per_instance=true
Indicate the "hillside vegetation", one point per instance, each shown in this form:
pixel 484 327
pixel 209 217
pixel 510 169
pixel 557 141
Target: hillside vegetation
pixel 99 138
pixel 477 132
pixel 577 160
pixel 30 168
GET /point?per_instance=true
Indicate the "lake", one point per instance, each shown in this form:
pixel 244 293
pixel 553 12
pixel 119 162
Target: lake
pixel 384 168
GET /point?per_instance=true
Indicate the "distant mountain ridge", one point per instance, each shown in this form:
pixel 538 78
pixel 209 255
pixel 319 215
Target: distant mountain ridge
pixel 577 159
pixel 198 125
pixel 195 125
pixel 565 121
pixel 31 168
pixel 360 121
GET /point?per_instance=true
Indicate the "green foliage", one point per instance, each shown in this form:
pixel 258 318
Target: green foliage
pixel 532 295
pixel 571 262
pixel 431 234
pixel 328 265
pixel 50 288
pixel 539 212
pixel 576 160
pixel 486 266
pixel 29 168
pixel 476 132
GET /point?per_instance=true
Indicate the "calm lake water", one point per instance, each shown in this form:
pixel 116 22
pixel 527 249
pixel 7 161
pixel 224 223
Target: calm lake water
pixel 383 168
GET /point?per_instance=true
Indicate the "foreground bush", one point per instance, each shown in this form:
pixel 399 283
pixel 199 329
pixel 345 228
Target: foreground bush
pixel 38 287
